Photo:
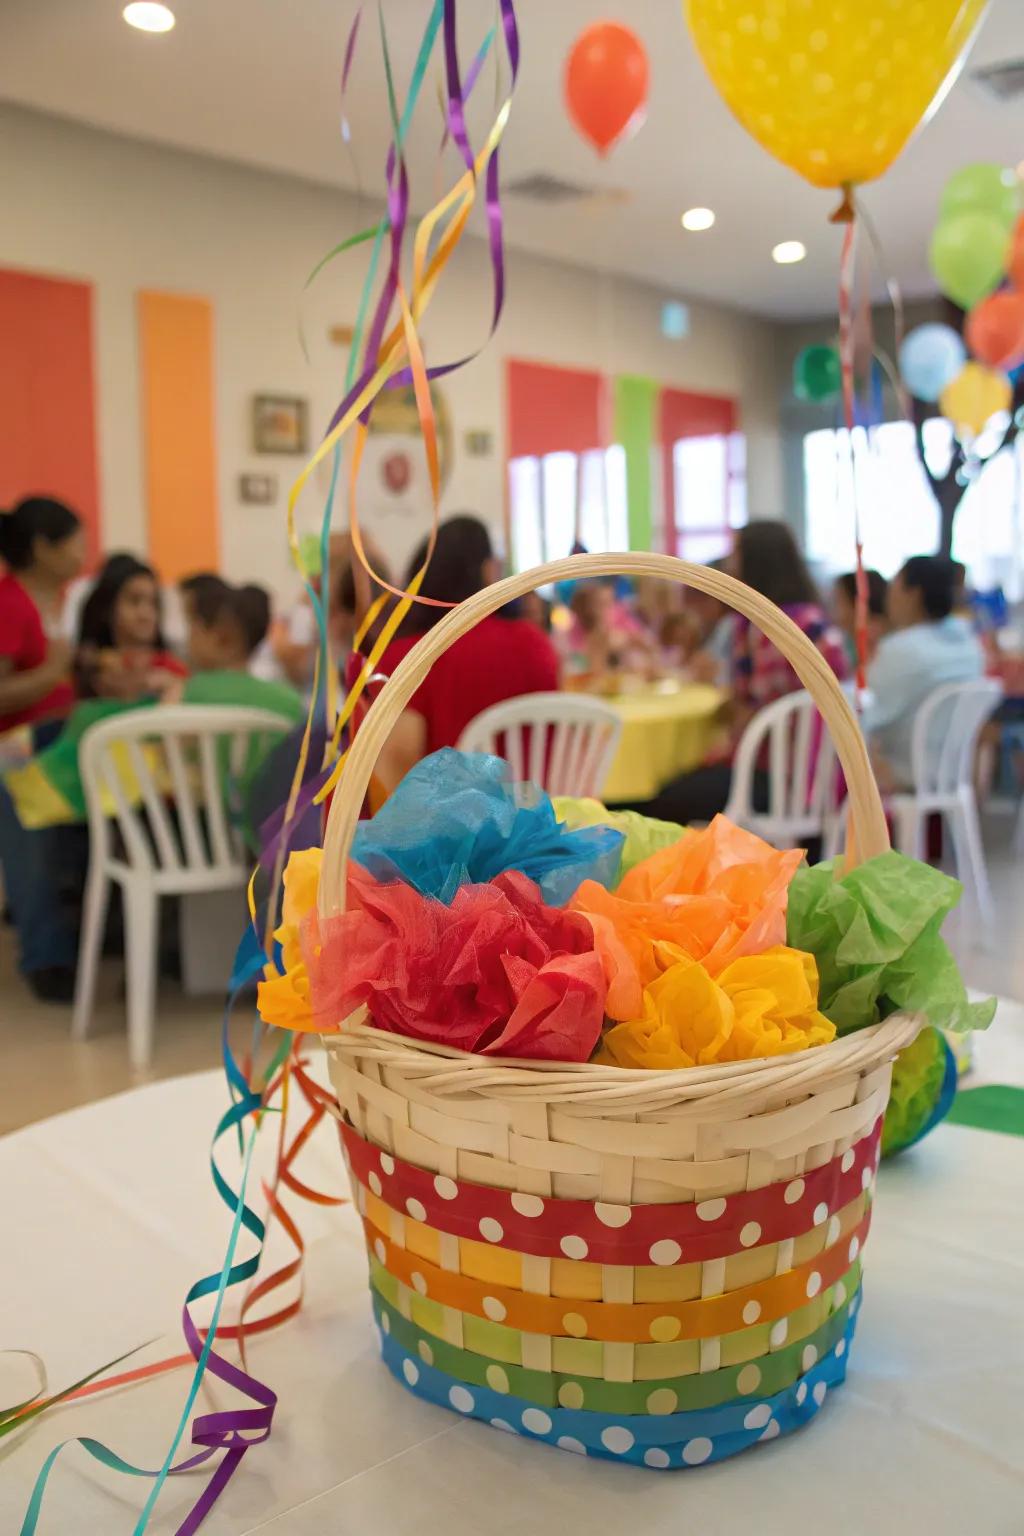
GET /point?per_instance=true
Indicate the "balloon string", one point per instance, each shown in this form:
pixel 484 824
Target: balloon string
pixel 847 267
pixel 895 293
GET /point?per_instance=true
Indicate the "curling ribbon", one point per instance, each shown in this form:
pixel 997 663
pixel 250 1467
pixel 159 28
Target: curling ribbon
pixel 392 359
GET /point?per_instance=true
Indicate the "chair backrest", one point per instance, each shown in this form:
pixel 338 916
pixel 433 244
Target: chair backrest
pixel 804 774
pixel 564 742
pixel 169 780
pixel 946 730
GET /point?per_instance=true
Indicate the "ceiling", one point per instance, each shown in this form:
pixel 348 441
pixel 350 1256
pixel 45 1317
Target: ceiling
pixel 257 81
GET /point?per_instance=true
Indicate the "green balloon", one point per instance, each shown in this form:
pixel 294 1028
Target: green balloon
pixel 984 188
pixel 968 256
pixel 817 374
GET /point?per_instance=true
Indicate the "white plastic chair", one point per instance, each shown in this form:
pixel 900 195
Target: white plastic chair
pixel 176 834
pixel 942 754
pixel 565 742
pixel 803 774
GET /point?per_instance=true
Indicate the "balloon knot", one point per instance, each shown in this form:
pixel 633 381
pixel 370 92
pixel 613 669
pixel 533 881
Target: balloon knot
pixel 846 212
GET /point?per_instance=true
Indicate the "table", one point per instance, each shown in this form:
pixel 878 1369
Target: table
pixel 666 732
pixel 116 1216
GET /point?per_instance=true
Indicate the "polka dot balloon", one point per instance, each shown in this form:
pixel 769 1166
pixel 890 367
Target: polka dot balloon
pixel 833 89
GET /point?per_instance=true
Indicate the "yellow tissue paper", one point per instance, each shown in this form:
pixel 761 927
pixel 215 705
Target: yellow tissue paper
pixel 759 1005
pixel 283 998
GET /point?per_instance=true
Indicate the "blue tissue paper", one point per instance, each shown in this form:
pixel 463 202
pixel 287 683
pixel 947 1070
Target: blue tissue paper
pixel 456 819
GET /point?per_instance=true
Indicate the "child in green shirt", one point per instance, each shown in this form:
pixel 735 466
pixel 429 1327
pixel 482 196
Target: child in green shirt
pixel 225 625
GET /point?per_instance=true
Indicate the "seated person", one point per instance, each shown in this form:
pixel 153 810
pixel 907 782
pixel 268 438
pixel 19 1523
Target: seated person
pixel 42 546
pixel 40 800
pixel 121 649
pixel 604 636
pixel 500 658
pixel 768 559
pixel 844 610
pixel 927 645
pixel 711 658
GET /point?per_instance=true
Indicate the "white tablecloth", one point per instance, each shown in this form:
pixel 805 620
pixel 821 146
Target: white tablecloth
pixel 113 1217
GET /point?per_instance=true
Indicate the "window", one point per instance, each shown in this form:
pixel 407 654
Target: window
pixel 899 516
pixel 554 495
pixel 987 532
pixel 710 494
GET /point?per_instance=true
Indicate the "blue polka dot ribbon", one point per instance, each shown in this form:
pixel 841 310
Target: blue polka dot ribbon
pixel 654 1440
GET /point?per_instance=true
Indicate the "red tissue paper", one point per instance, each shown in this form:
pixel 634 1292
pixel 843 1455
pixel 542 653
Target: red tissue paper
pixel 496 971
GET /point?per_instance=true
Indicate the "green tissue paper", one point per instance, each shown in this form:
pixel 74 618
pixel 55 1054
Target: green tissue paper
pixel 876 935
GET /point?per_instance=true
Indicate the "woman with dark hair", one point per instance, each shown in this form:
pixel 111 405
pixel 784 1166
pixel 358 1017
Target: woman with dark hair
pixel 768 558
pixel 928 645
pixel 501 657
pixel 844 607
pixel 43 548
pixel 121 649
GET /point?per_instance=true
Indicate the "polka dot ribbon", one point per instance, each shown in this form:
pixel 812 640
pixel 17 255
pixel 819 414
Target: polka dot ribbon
pixel 662 1441
pixel 697 1390
pixel 709 1317
pixel 663 1234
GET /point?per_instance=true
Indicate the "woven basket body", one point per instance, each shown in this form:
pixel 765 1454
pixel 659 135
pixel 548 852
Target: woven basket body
pixel 655 1267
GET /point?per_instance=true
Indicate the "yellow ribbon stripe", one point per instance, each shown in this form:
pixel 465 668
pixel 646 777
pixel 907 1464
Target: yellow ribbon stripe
pixel 625 1321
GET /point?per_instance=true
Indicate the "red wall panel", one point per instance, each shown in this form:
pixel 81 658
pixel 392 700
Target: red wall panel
pixel 47 395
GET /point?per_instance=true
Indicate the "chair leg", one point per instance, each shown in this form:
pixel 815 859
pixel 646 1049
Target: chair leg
pixel 908 827
pixel 141 909
pixel 90 945
pixel 970 864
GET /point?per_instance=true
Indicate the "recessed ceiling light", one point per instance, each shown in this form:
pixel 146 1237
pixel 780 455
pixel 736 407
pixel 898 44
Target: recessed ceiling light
pixel 697 218
pixel 149 16
pixel 788 251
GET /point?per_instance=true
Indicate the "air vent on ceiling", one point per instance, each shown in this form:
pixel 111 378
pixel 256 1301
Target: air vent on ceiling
pixel 1003 82
pixel 543 188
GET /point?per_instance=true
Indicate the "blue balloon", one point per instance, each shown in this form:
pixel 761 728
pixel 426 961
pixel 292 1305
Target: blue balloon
pixel 930 358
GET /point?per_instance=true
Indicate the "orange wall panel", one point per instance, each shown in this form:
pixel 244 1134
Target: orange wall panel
pixel 47 395
pixel 179 455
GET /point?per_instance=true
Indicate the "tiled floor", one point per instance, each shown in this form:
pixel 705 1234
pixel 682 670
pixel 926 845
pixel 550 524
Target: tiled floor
pixel 42 1072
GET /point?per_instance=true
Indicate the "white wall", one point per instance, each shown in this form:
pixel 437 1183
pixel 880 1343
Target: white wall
pixel 126 215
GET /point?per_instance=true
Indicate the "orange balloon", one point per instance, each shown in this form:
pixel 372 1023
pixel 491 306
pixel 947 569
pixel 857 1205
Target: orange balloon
pixel 995 330
pixel 606 80
pixel 1015 269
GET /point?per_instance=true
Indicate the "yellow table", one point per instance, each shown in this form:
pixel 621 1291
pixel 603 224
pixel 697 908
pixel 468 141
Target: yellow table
pixel 666 732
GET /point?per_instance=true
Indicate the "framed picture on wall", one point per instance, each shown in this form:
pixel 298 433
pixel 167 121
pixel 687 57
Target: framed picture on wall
pixel 280 424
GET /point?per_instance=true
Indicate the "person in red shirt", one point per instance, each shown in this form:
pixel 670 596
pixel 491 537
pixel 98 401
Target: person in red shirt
pixel 121 649
pixel 43 547
pixel 502 658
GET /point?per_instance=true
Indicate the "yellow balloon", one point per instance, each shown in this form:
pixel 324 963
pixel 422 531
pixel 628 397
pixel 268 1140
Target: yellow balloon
pixel 833 88
pixel 974 397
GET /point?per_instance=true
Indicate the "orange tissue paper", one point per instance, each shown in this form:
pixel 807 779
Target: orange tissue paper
pixel 497 971
pixel 715 895
pixel 759 1005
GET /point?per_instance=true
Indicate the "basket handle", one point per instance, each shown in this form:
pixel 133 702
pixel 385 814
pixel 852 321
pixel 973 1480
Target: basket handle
pixel 868 835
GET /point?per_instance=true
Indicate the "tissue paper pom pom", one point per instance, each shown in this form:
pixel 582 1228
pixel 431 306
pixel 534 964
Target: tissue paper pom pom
pixel 715 895
pixel 496 971
pixel 760 1005
pixel 456 819
pixel 876 934
pixel 283 997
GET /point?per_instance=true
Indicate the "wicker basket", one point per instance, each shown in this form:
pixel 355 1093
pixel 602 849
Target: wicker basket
pixel 654 1267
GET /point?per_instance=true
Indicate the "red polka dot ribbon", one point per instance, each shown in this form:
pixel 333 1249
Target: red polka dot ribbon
pixel 616 1234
